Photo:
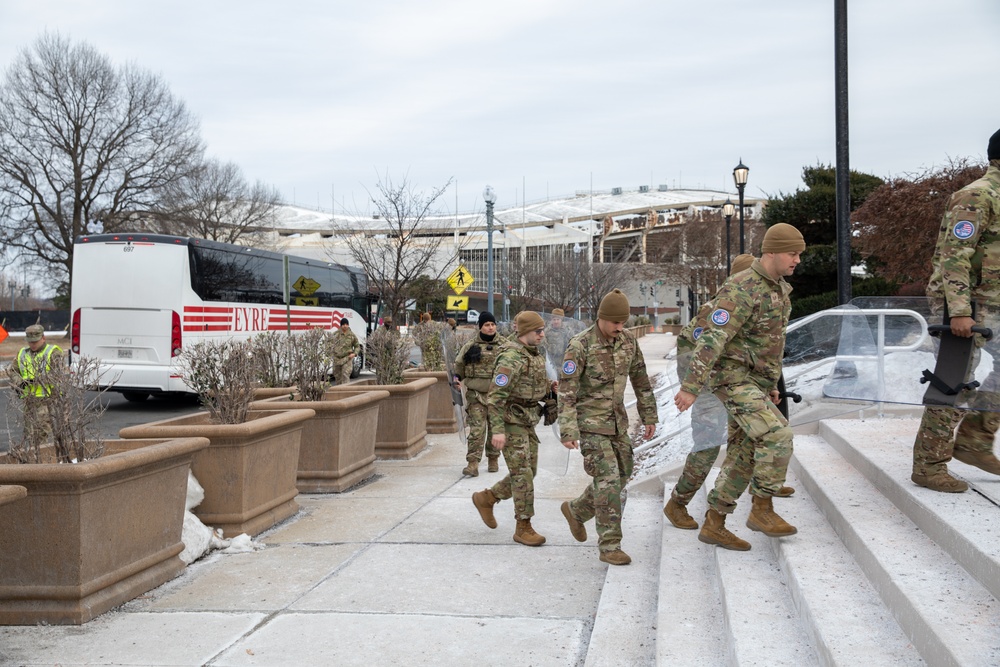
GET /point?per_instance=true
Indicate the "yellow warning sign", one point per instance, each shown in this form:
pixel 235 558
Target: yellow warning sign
pixel 458 303
pixel 459 280
pixel 306 286
pixel 307 301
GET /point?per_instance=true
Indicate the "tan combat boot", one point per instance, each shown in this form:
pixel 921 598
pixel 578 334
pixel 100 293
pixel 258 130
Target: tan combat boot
pixel 714 531
pixel 679 516
pixel 982 460
pixel 484 501
pixel 616 557
pixel 494 463
pixel 784 492
pixel 940 481
pixel 471 470
pixel 576 527
pixel 763 518
pixel 526 535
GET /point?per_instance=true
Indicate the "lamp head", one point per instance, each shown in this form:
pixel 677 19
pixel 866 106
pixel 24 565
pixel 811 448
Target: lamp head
pixel 728 209
pixel 489 194
pixel 740 174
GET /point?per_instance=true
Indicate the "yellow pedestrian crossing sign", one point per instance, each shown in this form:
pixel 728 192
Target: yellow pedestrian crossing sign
pixel 458 303
pixel 459 280
pixel 306 286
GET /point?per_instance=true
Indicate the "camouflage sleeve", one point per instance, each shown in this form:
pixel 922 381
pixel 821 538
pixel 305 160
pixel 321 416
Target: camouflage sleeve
pixel 645 400
pixel 956 251
pixel 356 344
pixel 504 377
pixel 733 306
pixel 574 363
pixel 460 359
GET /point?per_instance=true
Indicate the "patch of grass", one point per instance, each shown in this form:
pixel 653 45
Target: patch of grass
pixel 11 345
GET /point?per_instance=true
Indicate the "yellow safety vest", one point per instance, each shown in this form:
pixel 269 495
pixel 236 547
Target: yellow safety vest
pixel 27 364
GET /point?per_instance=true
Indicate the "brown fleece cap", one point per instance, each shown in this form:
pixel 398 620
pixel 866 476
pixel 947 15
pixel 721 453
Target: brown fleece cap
pixel 782 237
pixel 741 263
pixel 559 312
pixel 614 307
pixel 528 320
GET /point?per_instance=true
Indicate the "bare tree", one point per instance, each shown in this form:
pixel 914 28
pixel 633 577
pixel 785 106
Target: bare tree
pixel 81 139
pixel 601 279
pixel 216 202
pixel 400 249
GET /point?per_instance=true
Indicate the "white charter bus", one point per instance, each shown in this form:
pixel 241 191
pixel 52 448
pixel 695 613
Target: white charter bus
pixel 138 299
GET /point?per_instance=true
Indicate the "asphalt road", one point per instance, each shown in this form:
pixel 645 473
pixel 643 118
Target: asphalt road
pixel 118 414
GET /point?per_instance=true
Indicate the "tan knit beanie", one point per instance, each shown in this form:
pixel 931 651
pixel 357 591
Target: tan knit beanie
pixel 782 237
pixel 528 320
pixel 741 263
pixel 614 307
pixel 425 317
pixel 559 312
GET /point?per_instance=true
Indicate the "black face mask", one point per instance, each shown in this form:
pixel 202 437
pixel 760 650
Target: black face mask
pixel 489 338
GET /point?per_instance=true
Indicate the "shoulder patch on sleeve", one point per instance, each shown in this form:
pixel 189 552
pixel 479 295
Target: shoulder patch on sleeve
pixel 696 334
pixel 720 317
pixel 569 367
pixel 964 229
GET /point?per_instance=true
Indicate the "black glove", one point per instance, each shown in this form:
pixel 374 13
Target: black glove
pixel 473 355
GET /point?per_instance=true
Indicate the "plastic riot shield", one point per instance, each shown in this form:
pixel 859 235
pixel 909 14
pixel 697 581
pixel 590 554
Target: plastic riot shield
pixel 451 343
pixel 559 330
pixel 896 350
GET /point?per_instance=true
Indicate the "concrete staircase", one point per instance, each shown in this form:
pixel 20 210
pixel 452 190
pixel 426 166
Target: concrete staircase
pixel 882 572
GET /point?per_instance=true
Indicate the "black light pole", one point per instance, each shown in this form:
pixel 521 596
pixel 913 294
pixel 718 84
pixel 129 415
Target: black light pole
pixel 728 210
pixel 577 249
pixel 490 196
pixel 740 174
pixel 843 155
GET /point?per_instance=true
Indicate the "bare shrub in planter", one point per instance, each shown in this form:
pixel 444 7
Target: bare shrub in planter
pixel 427 335
pixel 311 356
pixel 66 413
pixel 272 352
pixel 223 374
pixel 388 352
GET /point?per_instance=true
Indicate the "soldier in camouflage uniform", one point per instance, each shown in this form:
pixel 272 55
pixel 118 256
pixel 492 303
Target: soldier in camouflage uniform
pixel 738 356
pixel 519 384
pixel 557 336
pixel 592 417
pixel 344 346
pixel 966 269
pixel 431 349
pixel 708 419
pixel 474 368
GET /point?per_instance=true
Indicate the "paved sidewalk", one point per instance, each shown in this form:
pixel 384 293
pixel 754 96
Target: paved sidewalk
pixel 400 570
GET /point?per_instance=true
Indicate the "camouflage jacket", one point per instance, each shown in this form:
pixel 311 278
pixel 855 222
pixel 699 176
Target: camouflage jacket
pixel 343 343
pixel 744 339
pixel 555 342
pixel 431 346
pixel 519 383
pixel 478 376
pixel 967 257
pixel 592 384
pixel 691 332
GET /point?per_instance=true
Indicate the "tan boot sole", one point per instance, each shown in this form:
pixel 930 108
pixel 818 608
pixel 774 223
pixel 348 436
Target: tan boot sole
pixel 742 545
pixel 519 539
pixel 576 528
pixel 693 525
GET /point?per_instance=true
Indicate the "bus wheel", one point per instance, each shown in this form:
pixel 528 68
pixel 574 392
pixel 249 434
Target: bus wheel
pixel 135 396
pixel 359 363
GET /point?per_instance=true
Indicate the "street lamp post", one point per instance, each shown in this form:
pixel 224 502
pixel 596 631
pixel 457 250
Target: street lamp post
pixel 727 211
pixel 11 284
pixel 740 174
pixel 490 197
pixel 577 249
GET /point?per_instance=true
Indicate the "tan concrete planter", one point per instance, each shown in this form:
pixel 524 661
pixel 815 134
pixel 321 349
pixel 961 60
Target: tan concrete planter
pixel 248 470
pixel 10 493
pixel 402 417
pixel 440 409
pixel 337 449
pixel 261 393
pixel 90 536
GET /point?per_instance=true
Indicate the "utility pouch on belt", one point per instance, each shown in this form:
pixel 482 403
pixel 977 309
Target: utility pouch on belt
pixel 550 409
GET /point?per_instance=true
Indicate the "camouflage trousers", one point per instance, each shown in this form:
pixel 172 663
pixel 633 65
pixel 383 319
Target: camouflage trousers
pixel 37 424
pixel 608 460
pixel 342 371
pixel 937 439
pixel 521 454
pixel 480 434
pixel 759 448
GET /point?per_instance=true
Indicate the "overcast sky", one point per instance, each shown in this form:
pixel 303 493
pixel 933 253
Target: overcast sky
pixel 319 98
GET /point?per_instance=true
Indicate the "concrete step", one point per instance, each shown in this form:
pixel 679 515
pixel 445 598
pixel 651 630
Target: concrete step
pixel 946 613
pixel 625 625
pixel 966 525
pixel 761 623
pixel 844 616
pixel 689 630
